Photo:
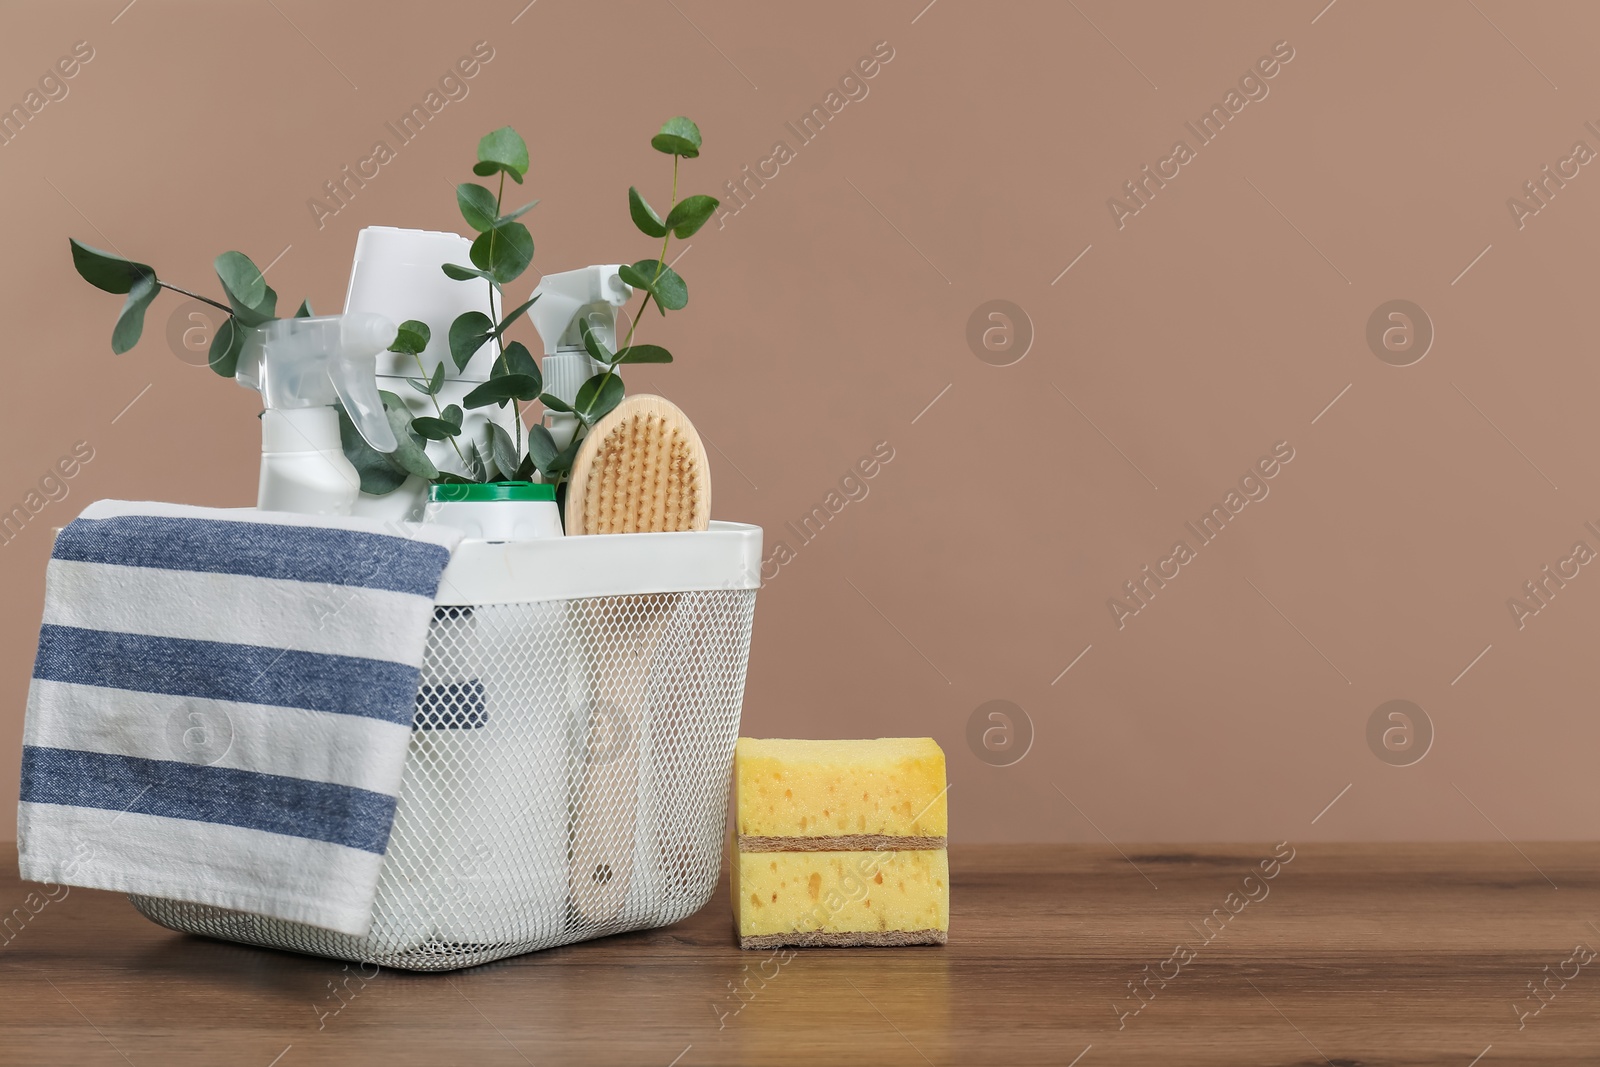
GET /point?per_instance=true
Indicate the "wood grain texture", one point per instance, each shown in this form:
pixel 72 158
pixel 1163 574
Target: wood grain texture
pixel 1356 954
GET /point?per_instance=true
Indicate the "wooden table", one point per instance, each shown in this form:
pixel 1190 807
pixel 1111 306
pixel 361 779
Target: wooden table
pixel 1352 954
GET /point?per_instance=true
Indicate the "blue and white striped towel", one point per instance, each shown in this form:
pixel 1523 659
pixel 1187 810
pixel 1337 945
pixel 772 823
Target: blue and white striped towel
pixel 222 704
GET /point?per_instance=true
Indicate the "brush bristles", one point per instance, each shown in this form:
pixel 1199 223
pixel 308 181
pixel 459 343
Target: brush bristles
pixel 643 480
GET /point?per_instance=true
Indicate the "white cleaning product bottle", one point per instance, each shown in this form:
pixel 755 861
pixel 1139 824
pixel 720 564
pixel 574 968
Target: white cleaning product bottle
pixel 398 273
pixel 302 367
pixel 498 511
pixel 503 869
pixel 589 294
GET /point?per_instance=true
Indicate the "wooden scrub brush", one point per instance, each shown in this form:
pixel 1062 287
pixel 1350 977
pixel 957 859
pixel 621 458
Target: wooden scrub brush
pixel 642 469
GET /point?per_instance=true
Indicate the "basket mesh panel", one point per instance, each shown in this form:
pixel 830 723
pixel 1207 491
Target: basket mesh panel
pixel 567 779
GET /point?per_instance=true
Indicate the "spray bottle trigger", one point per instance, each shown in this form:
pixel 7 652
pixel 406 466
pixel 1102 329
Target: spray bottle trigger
pixel 355 379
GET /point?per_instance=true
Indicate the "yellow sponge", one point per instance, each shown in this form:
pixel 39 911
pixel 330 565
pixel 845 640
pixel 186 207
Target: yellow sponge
pixel 890 787
pixel 841 898
pixel 840 843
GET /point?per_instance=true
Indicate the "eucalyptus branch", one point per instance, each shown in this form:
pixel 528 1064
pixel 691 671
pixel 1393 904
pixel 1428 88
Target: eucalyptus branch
pixel 634 325
pixel 417 357
pixel 661 260
pixel 494 315
pixel 251 302
pixel 196 296
pixel 501 252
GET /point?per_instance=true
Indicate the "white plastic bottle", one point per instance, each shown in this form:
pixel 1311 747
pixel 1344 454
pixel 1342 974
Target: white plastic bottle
pixel 499 511
pixel 397 273
pixel 589 294
pixel 302 367
pixel 492 710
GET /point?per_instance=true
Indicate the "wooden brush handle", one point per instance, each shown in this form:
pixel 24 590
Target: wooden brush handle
pixel 606 823
pixel 601 869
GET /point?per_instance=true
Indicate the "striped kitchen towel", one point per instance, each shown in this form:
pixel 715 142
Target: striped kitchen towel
pixel 222 704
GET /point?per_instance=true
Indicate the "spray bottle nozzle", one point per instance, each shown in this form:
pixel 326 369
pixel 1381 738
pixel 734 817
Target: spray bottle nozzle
pixel 315 362
pixel 588 294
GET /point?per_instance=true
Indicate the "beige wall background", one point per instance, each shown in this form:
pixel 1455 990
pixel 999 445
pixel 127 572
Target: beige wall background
pixel 1160 359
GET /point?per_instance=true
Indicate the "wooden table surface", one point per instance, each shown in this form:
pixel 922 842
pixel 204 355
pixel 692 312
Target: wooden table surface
pixel 1352 954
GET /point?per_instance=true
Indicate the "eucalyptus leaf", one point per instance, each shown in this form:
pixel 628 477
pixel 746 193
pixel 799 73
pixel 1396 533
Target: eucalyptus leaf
pixel 660 281
pixel 670 290
pixel 429 387
pixel 504 251
pixel 505 151
pixel 519 360
pixel 541 446
pixel 478 205
pixel 595 347
pixel 554 403
pixel 689 214
pixel 501 449
pixel 452 414
pixel 452 478
pixel 104 271
pixel 465 274
pixel 506 323
pixel 256 315
pixel 434 429
pixel 644 216
pixel 382 473
pixel 499 390
pixel 644 354
pixel 252 298
pixel 563 459
pixel 639 279
pixel 262 313
pixel 475 464
pixel 525 470
pixel 484 170
pixel 304 310
pixel 678 137
pixel 130 322
pixel 467 334
pixel 635 277
pixel 409 452
pixel 226 344
pixel 521 211
pixel 379 474
pixel 413 337
pixel 597 396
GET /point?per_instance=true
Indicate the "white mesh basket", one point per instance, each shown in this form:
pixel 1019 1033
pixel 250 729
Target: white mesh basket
pixel 570 756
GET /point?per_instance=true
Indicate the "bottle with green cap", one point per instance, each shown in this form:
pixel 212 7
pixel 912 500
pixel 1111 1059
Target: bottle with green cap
pixel 496 511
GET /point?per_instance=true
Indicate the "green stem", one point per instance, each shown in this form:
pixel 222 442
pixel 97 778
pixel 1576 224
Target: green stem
pixel 438 410
pixel 661 265
pixel 499 198
pixel 196 296
pixel 611 369
pixel 422 371
pixel 634 325
pixel 494 314
pixel 661 261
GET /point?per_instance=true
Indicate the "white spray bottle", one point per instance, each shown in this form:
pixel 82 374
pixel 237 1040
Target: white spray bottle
pixel 588 294
pixel 302 367
pixel 398 273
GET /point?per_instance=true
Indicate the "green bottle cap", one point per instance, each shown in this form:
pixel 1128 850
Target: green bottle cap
pixel 474 492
